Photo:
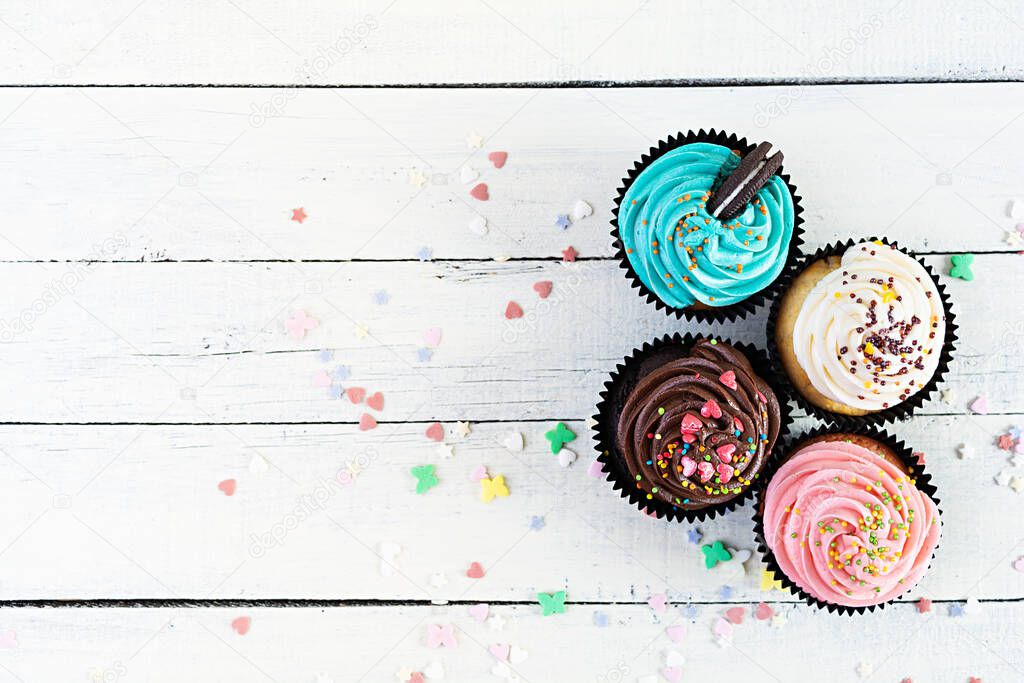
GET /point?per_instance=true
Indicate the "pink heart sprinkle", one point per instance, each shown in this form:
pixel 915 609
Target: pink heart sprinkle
pixel 1018 564
pixel 543 288
pixel 480 472
pixel 737 424
pixel 924 606
pixel 672 674
pixel 432 337
pixel 513 311
pixel 366 422
pixel 435 432
pixel 724 473
pixel 596 469
pixel 689 465
pixel 735 615
pixel 711 409
pixel 658 603
pixel 980 405
pixel 475 571
pixel 764 612
pixel 479 611
pixel 676 634
pixel 500 651
pixel 376 401
pixel 228 487
pixel 705 470
pixel 725 452
pixel 722 628
pixel 689 437
pixel 321 379
pixel 498 158
pixel 690 424
pixel 479 191
pixel 728 379
pixel 416 677
pixel 355 394
pixel 241 625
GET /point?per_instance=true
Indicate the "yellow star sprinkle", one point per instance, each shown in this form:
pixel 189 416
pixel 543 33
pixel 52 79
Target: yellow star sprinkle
pixel 769 583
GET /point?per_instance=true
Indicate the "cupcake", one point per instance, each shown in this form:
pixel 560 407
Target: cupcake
pixel 862 331
pixel 849 521
pixel 705 224
pixel 687 425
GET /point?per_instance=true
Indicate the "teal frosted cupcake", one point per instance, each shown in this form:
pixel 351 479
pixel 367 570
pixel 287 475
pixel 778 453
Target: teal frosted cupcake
pixel 692 253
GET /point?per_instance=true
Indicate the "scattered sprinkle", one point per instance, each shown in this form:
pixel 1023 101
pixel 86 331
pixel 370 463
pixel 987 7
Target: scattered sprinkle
pixel 498 158
pixel 299 324
pixel 474 141
pixel 441 635
pixel 537 522
pixel 956 609
pixel 241 625
pixel 475 571
pixel 924 606
pixel 559 436
pixel 563 221
pixel 735 615
pixel 865 669
pixel 479 611
pixel 600 619
pixel 694 535
pixel 961 267
pixel 979 405
pixel 581 210
pixel 425 254
pixel 948 396
pixel 596 469
pixel 513 310
pixel 566 457
pixel 512 441
pixel 543 288
pixel 478 226
pixel 426 478
pixel 423 354
pixel 658 603
pixel 468 174
pixel 551 603
pixel 480 192
pixel 417 178
pixel 492 488
pixel 228 487
pixel 381 297
pixel 299 215
pixel 326 355
pixel 445 450
pixel 462 429
pixel 763 612
pixel 715 553
pixel 769 582
pixel 367 422
pixel 435 432
pixel 676 633
pixel 569 255
pixel 725 592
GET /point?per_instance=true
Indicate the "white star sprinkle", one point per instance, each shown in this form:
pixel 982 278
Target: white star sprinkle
pixel 417 178
pixel 445 450
pixel 474 140
pixel 462 429
pixel 948 396
pixel 864 669
pixel 965 451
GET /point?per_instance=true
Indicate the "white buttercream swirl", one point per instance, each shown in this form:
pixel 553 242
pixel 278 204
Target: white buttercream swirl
pixel 870 333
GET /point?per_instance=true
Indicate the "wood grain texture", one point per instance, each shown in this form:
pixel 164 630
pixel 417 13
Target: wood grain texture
pixel 374 643
pixel 196 174
pixel 397 42
pixel 134 512
pixel 196 342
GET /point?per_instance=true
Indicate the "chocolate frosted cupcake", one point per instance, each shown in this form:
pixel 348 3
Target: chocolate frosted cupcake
pixel 706 223
pixel 849 521
pixel 687 426
pixel 862 331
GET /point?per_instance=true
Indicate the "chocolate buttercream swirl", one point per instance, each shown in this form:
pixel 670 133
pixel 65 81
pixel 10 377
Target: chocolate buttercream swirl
pixel 698 430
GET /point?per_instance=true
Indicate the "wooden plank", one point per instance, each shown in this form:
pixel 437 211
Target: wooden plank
pixel 135 512
pixel 185 342
pixel 131 174
pixel 469 42
pixel 374 643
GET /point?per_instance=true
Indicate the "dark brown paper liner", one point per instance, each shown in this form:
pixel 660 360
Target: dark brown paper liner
pixel 739 309
pixel 902 410
pixel 622 380
pixel 906 456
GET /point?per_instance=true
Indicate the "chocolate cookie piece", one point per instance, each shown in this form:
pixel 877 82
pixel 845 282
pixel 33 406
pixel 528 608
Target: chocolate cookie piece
pixel 743 183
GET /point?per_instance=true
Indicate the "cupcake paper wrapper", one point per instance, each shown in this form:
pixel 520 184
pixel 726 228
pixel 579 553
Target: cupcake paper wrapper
pixel 617 388
pixel 896 413
pixel 721 314
pixel 906 456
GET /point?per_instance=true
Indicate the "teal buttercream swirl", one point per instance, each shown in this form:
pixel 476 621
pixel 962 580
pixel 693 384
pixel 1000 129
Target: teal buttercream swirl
pixel 684 255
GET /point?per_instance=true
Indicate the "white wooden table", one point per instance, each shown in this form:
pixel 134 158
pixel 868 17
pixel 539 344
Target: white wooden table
pixel 149 264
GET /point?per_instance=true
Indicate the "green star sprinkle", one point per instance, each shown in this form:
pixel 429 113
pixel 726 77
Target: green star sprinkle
pixel 425 478
pixel 551 603
pixel 962 266
pixel 715 553
pixel 559 436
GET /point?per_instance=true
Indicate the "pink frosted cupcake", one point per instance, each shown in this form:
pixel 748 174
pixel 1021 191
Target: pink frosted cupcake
pixel 847 521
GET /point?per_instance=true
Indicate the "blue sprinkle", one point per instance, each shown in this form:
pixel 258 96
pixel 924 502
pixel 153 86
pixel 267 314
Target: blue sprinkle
pixel 694 536
pixel 600 619
pixel 341 373
pixel 725 592
pixel 335 391
pixel 424 354
pixel 956 609
pixel 326 356
pixel 690 611
pixel 537 522
pixel 425 253
pixel 380 297
pixel 563 221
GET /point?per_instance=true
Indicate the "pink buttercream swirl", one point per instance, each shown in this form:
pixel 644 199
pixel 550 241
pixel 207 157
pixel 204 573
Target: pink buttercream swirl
pixel 847 526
